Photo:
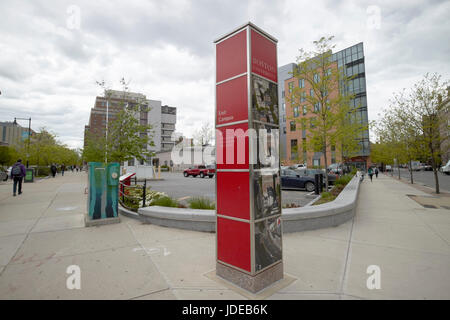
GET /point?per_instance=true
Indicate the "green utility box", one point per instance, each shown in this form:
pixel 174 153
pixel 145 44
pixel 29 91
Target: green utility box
pixel 29 177
pixel 103 196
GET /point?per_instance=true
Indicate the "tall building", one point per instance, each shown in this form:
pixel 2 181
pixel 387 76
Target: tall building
pixel 284 73
pixel 162 118
pixel 12 134
pixel 351 60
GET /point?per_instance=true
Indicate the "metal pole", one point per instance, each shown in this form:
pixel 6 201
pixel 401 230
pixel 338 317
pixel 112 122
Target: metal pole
pixel 107 111
pixel 29 138
pixel 143 192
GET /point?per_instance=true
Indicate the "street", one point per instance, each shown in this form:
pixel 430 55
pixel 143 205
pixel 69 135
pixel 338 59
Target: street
pixel 425 178
pixel 179 187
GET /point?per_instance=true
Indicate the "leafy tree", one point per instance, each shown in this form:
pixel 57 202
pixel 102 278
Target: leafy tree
pixel 335 123
pixel 422 110
pixel 5 155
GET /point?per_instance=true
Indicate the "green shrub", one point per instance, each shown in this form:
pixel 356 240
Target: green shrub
pixel 344 179
pixel 201 203
pixel 165 201
pixel 42 171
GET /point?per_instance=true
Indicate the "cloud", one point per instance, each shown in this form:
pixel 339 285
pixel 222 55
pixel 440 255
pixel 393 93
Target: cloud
pixel 48 66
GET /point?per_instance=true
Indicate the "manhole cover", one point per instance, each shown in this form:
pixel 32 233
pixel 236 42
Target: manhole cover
pixel 429 206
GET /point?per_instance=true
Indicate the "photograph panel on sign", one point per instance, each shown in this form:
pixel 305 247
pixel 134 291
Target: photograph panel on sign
pixel 267 242
pixel 267 193
pixel 264 100
pixel 265 146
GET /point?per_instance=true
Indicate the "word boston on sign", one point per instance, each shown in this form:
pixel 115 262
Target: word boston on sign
pixel 248 211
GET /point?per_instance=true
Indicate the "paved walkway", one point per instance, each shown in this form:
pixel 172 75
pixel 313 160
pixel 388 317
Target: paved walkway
pixel 42 233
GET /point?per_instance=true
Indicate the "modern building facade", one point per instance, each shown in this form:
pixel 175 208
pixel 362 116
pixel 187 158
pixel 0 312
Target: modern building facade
pixel 284 73
pixel 162 118
pixel 352 62
pixel 444 130
pixel 12 134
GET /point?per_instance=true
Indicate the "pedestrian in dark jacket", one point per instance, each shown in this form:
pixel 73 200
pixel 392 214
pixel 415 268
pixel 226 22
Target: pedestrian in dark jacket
pixel 376 173
pixel 53 169
pixel 370 172
pixel 17 173
pixel 63 168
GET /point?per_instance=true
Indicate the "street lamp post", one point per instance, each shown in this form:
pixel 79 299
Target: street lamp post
pixel 29 135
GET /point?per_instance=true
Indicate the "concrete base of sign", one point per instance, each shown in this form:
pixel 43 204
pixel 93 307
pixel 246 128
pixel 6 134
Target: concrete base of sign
pixel 99 222
pixel 248 282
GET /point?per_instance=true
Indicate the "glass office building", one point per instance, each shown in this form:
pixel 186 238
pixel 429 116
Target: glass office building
pixel 351 60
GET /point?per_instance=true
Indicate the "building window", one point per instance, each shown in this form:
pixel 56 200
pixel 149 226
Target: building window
pixel 294 149
pixel 311 92
pixel 316 162
pixel 312 122
pixel 282 94
pixel 301 83
pixel 303 96
pixel 305 110
pixel 316 78
pixel 296 112
pixel 317 107
pixel 291 86
pixel 292 126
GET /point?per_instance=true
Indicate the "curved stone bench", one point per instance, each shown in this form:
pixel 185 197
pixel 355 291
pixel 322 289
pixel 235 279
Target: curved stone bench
pixel 325 215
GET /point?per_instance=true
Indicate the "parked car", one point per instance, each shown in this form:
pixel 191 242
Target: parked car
pixel 200 170
pixel 291 179
pixel 299 166
pixel 427 167
pixel 388 168
pixel 332 177
pixel 446 169
pixel 336 168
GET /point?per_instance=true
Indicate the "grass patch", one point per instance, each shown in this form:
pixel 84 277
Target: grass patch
pixel 165 201
pixel 201 203
pixel 331 195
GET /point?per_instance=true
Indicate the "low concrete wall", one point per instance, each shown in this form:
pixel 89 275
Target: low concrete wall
pixel 325 215
pixel 181 218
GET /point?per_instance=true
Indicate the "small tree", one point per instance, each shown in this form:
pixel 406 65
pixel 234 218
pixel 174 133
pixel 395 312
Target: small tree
pixel 5 155
pixel 335 123
pixel 423 110
pixel 204 136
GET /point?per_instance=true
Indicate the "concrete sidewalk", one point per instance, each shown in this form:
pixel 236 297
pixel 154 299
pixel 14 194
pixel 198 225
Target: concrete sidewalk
pixel 42 233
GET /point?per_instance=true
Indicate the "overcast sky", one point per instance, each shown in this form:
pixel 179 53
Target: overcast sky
pixel 52 52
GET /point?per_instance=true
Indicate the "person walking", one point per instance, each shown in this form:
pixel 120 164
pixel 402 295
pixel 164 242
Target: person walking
pixel 63 168
pixel 376 173
pixel 53 169
pixel 17 173
pixel 370 172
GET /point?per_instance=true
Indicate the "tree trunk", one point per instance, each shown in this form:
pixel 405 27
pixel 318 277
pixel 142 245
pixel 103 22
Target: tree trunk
pixel 398 168
pixel 326 172
pixel 433 164
pixel 410 172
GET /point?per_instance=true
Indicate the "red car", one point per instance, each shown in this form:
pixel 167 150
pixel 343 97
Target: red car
pixel 201 171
